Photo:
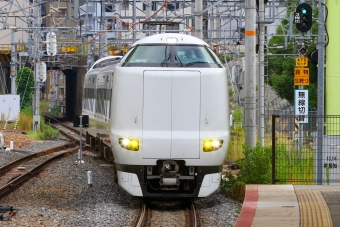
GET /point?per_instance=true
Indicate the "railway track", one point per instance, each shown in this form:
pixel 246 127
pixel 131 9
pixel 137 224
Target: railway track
pixel 14 174
pixel 166 214
pixel 66 130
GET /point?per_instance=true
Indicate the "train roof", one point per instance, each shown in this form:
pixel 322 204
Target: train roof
pixel 166 38
pixel 105 59
pixel 109 68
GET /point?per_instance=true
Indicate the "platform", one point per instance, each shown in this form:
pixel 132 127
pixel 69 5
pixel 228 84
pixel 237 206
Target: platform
pixel 290 205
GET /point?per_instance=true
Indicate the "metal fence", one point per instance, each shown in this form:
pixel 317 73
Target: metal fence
pixel 300 155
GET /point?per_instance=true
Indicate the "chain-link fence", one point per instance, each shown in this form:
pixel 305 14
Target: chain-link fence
pixel 297 157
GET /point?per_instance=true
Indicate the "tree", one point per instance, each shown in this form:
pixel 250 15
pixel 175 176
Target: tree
pixel 25 82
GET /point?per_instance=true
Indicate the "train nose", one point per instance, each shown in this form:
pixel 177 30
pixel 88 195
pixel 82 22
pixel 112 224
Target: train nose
pixel 171 120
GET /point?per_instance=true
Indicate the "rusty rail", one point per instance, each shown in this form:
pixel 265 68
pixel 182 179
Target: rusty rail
pixel 17 182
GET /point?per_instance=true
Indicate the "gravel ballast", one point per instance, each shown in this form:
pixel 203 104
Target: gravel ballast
pixel 61 196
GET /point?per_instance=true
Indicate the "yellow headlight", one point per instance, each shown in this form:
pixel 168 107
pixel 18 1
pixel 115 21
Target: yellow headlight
pixel 212 145
pixel 129 144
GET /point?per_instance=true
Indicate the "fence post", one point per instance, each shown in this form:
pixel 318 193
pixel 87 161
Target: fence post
pixel 273 147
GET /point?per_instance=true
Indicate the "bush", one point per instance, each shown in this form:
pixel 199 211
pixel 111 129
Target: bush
pixel 254 168
pixel 46 131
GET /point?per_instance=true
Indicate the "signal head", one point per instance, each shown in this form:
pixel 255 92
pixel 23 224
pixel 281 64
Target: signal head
pixel 306 18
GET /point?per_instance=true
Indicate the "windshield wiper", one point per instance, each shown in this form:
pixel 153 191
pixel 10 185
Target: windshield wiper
pixel 179 60
pixel 194 62
pixel 165 61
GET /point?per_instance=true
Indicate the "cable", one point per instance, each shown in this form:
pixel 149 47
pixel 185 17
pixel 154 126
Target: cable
pixel 326 24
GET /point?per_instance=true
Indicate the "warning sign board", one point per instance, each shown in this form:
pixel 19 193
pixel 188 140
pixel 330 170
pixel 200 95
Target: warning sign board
pixel 301 62
pixel 301 76
pixel 301 81
pixel 302 72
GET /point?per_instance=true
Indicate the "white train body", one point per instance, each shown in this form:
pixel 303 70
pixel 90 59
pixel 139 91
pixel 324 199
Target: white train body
pixel 97 92
pixel 169 117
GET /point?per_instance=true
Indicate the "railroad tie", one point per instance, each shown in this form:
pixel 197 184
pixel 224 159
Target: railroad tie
pixel 7 118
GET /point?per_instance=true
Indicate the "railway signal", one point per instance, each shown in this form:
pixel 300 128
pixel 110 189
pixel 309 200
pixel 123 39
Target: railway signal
pixel 303 17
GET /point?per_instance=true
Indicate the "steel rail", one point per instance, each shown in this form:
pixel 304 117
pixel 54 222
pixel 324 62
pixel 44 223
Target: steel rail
pixel 193 215
pixel 143 215
pixel 16 183
pixel 17 162
pixel 65 126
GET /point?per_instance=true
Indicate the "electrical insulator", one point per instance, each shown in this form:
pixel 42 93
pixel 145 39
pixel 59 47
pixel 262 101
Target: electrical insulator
pixel 51 44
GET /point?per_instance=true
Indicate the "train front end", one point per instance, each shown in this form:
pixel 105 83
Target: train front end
pixel 169 125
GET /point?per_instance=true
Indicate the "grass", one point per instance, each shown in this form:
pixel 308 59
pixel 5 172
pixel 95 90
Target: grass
pixel 25 123
pixel 26 119
pixel 46 131
pixel 294 166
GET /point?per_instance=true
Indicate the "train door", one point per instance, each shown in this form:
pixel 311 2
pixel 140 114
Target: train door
pixel 171 114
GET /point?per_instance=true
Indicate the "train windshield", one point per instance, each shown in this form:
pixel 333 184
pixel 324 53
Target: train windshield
pixel 172 56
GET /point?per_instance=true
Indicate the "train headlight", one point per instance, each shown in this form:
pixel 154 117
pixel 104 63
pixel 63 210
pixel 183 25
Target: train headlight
pixel 212 145
pixel 129 144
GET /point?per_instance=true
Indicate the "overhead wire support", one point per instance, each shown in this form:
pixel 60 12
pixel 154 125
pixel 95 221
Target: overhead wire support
pixel 36 59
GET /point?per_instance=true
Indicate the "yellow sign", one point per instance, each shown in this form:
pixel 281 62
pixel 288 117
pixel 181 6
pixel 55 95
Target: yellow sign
pixel 301 76
pixel 301 81
pixel 304 72
pixel 301 62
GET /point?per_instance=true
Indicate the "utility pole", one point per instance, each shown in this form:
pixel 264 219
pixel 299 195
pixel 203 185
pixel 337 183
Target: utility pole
pixel 102 35
pixel 134 21
pixel 90 57
pixel 13 62
pixel 198 19
pixel 36 56
pixel 321 88
pixel 148 15
pixel 260 122
pixel 250 74
pixel 57 88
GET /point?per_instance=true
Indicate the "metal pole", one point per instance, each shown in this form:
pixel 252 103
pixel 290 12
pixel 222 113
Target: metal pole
pixel 273 147
pixel 260 130
pixel 198 19
pixel 36 97
pixel 57 88
pixel 321 89
pixel 80 154
pixel 148 14
pixel 102 27
pixel 134 22
pixel 13 62
pixel 90 57
pixel 250 74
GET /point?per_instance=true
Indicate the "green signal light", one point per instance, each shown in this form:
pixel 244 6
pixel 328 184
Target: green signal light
pixel 304 11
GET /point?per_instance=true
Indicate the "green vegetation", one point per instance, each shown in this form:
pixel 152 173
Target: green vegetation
pixel 26 119
pixel 26 123
pixel 328 175
pixel 46 131
pixel 25 82
pixel 296 166
pixel 56 111
pixel 225 58
pixel 254 168
pixel 237 140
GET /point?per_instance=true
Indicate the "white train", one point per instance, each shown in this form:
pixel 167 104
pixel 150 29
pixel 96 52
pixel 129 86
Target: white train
pixel 169 117
pixel 97 92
